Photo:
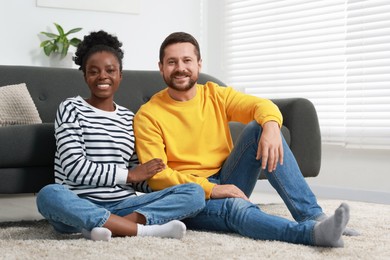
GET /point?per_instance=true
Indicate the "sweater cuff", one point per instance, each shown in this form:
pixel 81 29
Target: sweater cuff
pixel 208 187
pixel 270 118
pixel 121 175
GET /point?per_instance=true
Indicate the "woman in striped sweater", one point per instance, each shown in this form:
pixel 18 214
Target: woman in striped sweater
pixel 96 168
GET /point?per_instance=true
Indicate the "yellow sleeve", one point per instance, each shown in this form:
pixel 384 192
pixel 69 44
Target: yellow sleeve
pixel 244 108
pixel 150 145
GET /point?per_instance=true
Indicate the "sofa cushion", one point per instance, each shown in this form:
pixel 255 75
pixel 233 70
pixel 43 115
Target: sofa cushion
pixel 17 106
pixel 27 146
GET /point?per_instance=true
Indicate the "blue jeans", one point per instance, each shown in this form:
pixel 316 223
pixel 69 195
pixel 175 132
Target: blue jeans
pixel 240 216
pixel 68 213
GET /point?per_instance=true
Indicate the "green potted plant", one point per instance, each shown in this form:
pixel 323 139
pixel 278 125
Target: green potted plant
pixel 59 43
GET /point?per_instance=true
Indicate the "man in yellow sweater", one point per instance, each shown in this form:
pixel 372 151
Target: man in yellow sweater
pixel 186 125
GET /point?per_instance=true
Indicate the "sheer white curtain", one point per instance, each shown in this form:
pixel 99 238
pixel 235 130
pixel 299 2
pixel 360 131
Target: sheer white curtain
pixel 334 52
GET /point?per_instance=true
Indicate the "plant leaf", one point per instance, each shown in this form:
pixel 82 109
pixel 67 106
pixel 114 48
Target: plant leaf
pixel 49 49
pixel 75 42
pixel 59 29
pixel 59 43
pixel 74 31
pixel 65 50
pixel 50 35
pixel 45 43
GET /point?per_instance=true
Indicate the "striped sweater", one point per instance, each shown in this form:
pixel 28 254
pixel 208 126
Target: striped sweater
pixel 95 148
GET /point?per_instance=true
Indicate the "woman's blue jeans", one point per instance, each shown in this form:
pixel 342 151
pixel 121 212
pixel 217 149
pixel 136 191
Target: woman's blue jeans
pixel 240 216
pixel 68 213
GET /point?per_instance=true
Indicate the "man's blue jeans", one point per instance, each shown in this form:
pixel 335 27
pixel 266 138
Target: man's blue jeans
pixel 68 213
pixel 240 216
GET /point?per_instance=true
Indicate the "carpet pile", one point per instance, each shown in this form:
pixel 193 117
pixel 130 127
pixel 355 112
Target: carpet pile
pixel 37 240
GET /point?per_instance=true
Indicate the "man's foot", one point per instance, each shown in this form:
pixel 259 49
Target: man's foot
pixel 328 232
pixel 347 231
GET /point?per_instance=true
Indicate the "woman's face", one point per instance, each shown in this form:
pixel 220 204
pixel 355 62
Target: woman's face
pixel 102 75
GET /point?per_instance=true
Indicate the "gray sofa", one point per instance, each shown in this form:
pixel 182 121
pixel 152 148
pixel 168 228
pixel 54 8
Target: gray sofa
pixel 27 151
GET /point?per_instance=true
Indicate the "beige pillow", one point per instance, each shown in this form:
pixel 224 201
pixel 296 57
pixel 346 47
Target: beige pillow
pixel 17 106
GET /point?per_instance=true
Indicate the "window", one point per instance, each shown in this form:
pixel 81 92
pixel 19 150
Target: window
pixel 335 53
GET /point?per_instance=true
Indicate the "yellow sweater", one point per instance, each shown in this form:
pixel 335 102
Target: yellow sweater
pixel 193 137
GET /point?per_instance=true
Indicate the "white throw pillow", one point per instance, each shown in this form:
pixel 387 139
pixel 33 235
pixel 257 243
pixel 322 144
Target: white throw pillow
pixel 17 106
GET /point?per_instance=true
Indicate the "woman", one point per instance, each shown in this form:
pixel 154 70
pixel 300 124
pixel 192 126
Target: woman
pixel 96 169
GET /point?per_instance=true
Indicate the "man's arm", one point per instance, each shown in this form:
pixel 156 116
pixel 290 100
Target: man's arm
pixel 170 177
pixel 245 108
pixel 270 148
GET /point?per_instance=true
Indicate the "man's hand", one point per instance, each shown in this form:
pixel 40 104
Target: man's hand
pixel 227 191
pixel 145 171
pixel 270 149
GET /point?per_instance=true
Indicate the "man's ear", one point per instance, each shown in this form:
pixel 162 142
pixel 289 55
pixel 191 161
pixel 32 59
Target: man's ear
pixel 160 67
pixel 200 65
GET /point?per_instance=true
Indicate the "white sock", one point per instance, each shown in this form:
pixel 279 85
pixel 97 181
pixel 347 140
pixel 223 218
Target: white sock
pixel 97 234
pixel 173 229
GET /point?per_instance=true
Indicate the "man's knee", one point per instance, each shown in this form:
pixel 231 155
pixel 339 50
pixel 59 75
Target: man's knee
pixel 253 126
pixel 238 204
pixel 253 129
pixel 238 210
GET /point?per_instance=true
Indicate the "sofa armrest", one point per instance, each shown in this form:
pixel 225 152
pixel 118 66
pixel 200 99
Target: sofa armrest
pixel 300 117
pixel 27 157
pixel 27 145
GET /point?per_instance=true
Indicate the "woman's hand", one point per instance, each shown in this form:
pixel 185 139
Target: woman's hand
pixel 145 171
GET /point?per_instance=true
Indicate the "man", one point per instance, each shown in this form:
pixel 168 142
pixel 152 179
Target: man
pixel 186 125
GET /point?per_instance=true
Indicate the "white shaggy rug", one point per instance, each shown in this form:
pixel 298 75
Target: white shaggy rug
pixel 37 240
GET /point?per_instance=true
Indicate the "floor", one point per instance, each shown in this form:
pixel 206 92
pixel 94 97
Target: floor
pixel 22 206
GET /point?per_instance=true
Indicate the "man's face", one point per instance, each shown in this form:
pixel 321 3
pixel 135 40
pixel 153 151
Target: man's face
pixel 180 68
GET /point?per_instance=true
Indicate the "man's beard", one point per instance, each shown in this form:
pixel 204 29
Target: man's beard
pixel 171 82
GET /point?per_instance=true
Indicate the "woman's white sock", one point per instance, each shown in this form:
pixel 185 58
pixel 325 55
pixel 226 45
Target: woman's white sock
pixel 173 229
pixel 97 234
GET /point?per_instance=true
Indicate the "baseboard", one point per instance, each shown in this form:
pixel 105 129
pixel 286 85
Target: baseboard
pixel 327 192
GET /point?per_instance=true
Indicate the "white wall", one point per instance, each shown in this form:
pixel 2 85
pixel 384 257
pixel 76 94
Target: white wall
pixel 358 174
pixel 21 23
pixel 350 174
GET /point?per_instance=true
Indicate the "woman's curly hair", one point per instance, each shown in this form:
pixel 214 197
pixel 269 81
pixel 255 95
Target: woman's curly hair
pixel 97 42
